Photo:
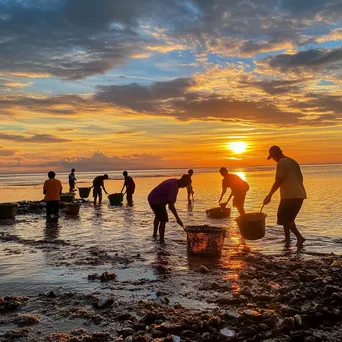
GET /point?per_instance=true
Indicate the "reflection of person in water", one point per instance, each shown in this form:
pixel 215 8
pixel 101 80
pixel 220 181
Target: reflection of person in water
pixel 51 228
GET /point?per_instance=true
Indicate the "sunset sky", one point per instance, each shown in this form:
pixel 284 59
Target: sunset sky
pixel 109 84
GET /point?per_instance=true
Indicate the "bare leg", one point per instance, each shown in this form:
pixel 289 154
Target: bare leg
pixel 291 226
pixel 287 235
pixel 241 210
pixel 155 227
pixel 162 231
pixel 95 198
pixel 189 198
pixel 100 199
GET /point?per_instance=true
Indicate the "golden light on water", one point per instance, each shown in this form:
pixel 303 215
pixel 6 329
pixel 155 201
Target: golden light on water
pixel 237 147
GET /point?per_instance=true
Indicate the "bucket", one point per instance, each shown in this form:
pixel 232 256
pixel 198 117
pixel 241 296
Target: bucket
pixel 252 225
pixel 72 208
pixel 68 197
pixel 84 192
pixel 205 240
pixel 116 199
pixel 218 213
pixel 8 210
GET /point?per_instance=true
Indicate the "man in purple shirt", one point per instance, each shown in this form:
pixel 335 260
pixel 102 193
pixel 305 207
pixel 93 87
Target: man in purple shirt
pixel 166 194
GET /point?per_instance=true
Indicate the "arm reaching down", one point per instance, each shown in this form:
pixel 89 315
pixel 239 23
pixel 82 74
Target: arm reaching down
pixel 274 188
pixel 174 212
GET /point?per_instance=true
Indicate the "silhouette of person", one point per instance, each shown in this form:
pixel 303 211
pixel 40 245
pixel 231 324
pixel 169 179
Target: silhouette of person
pixel 98 185
pixel 72 180
pixel 289 179
pixel 190 188
pixel 238 189
pixel 52 190
pixel 130 187
pixel 165 194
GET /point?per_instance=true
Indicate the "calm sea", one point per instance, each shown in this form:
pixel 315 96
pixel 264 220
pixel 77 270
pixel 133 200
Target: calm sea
pixel 128 230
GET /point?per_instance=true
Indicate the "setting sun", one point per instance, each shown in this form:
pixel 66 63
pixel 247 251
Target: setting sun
pixel 237 147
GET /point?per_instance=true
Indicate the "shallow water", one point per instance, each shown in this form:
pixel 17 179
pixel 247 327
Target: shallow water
pixel 126 231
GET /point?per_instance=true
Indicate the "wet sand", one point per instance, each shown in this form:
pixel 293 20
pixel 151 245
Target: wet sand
pixel 119 294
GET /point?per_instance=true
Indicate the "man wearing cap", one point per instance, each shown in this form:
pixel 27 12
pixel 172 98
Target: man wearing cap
pixel 289 179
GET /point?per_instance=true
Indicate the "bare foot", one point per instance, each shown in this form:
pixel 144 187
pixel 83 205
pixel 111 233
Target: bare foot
pixel 300 242
pixel 287 244
pixel 154 236
pixel 162 242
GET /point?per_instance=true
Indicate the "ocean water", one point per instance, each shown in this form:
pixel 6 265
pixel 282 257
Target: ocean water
pixel 127 231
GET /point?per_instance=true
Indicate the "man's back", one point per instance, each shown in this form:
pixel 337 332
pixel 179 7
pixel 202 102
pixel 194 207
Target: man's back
pixel 98 181
pixel 292 186
pixel 52 189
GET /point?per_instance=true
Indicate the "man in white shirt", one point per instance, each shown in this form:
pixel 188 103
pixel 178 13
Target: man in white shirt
pixel 289 179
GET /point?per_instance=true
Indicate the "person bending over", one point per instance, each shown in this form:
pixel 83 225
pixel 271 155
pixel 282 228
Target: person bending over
pixel 161 196
pixel 98 185
pixel 238 189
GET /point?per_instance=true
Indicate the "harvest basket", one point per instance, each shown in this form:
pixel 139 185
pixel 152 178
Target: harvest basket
pixel 116 199
pixel 252 225
pixel 205 240
pixel 8 210
pixel 218 213
pixel 84 192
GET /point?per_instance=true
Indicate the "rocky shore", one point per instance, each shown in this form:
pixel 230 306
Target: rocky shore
pixel 270 298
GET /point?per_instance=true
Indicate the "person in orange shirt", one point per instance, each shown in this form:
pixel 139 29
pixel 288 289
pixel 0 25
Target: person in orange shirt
pixel 52 190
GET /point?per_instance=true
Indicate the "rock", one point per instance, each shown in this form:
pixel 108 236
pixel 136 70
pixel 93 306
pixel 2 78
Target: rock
pixel 202 269
pixel 214 321
pixel 157 333
pixel 125 332
pixel 104 303
pixel 23 320
pixel 232 315
pixel 205 337
pixel 307 307
pixel 252 314
pixel 227 334
pixel 297 320
pixel 330 289
pixel 53 293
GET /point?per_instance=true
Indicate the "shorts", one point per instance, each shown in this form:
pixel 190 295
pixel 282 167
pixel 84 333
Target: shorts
pixel 97 191
pixel 239 199
pixel 288 210
pixel 160 212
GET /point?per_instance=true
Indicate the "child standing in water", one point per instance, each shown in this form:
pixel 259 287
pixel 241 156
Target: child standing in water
pixel 190 188
pixel 238 189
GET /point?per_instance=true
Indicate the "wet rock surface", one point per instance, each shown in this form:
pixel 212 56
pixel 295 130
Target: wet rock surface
pixel 271 298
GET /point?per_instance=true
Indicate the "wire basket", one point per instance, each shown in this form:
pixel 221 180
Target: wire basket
pixel 205 240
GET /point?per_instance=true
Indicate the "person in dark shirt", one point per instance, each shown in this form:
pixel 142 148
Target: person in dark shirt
pixel 238 189
pixel 72 180
pixel 130 187
pixel 98 185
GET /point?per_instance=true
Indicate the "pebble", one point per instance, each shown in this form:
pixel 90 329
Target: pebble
pixel 202 269
pixel 227 334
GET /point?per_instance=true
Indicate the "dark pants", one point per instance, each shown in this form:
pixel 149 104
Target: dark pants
pixel 129 197
pixel 52 207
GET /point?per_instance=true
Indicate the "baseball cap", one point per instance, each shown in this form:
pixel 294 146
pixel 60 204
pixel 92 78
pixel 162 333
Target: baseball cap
pixel 274 150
